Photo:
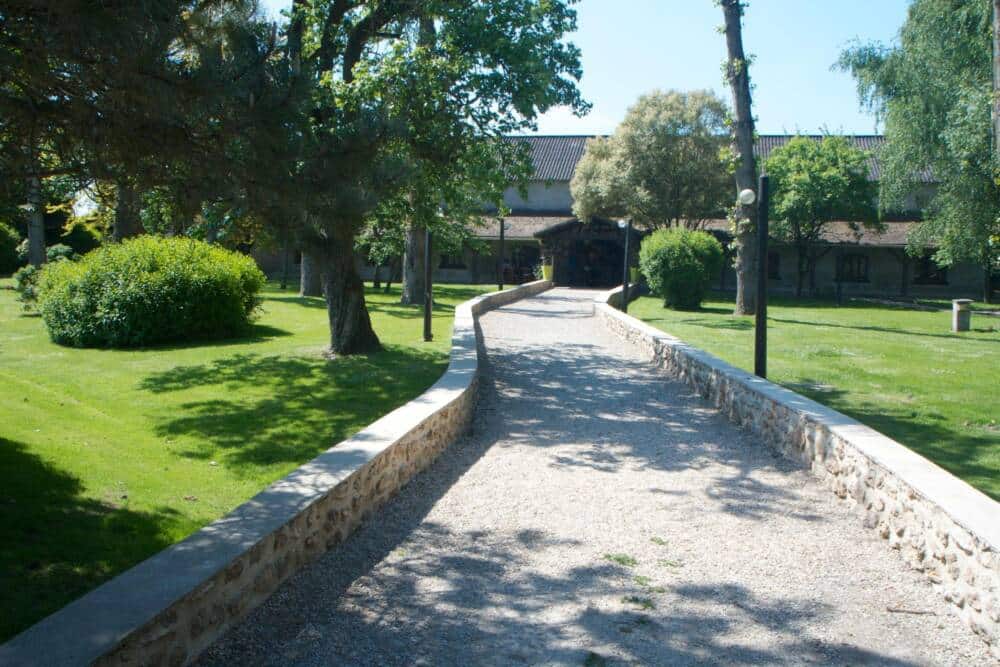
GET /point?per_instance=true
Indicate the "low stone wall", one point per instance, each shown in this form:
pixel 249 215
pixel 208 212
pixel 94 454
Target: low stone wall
pixel 939 524
pixel 169 608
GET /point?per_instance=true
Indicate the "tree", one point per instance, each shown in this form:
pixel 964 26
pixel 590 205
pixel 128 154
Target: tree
pixel 738 76
pixel 663 165
pixel 377 107
pixel 934 92
pixel 814 184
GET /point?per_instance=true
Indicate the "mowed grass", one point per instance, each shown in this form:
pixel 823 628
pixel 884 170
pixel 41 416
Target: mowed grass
pixel 107 457
pixel 902 372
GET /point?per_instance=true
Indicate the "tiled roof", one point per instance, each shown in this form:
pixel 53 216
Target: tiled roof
pixel 555 157
pixel 894 234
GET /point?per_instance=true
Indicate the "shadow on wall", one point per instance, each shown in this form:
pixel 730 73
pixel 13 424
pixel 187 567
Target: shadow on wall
pixel 459 588
pixel 61 542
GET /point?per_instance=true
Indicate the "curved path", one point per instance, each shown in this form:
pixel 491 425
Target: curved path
pixel 601 514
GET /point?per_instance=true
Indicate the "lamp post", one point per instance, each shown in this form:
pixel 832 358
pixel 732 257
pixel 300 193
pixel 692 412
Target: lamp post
pixel 625 224
pixel 500 260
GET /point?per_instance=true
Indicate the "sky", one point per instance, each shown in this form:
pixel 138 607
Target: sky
pixel 631 47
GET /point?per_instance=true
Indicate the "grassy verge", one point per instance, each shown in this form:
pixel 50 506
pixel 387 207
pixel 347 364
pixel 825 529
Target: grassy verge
pixel 902 372
pixel 107 456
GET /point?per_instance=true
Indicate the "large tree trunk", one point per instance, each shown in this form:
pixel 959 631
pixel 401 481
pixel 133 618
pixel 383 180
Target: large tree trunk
pixel 311 279
pixel 413 266
pixel 746 168
pixel 350 326
pixel 36 222
pixel 127 222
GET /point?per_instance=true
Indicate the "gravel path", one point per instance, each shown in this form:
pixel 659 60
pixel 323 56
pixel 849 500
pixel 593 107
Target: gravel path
pixel 602 514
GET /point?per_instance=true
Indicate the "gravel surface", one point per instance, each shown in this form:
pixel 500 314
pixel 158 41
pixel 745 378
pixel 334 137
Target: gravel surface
pixel 601 514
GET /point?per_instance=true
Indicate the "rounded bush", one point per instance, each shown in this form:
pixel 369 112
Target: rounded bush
pixel 9 240
pixel 679 265
pixel 60 251
pixel 149 290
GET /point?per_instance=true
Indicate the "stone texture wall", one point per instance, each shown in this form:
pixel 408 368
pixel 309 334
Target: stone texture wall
pixel 939 525
pixel 169 608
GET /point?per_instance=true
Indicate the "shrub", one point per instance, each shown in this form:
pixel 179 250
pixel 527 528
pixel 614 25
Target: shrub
pixel 149 290
pixel 60 251
pixel 26 285
pixel 9 240
pixel 679 265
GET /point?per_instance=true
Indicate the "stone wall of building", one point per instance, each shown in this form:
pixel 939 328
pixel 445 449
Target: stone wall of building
pixel 169 608
pixel 940 525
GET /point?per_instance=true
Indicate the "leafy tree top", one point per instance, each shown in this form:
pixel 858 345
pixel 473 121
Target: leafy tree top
pixel 662 167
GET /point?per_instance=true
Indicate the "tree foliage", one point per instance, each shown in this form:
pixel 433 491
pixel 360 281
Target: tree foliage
pixel 815 183
pixel 934 92
pixel 662 167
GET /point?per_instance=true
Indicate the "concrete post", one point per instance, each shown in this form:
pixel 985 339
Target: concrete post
pixel 961 314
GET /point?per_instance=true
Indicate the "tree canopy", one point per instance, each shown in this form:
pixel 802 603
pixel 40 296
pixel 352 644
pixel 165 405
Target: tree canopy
pixel 934 93
pixel 662 167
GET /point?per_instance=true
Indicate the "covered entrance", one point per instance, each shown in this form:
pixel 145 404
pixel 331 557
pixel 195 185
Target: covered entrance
pixel 585 255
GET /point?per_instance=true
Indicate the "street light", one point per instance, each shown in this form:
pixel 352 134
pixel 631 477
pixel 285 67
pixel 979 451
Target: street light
pixel 760 325
pixel 625 224
pixel 747 197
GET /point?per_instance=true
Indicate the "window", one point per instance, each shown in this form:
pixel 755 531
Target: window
pixel 853 268
pixel 774 265
pixel 928 272
pixel 450 261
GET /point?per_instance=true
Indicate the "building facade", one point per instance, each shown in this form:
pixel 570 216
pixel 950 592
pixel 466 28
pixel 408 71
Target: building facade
pixel 541 228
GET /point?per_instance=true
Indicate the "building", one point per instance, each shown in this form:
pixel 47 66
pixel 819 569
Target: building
pixel 541 225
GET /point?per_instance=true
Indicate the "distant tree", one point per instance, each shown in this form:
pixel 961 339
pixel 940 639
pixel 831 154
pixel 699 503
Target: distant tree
pixel 737 73
pixel 815 183
pixel 934 92
pixel 662 167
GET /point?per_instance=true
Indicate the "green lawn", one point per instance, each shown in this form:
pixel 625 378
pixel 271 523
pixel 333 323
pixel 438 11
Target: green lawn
pixel 899 371
pixel 106 456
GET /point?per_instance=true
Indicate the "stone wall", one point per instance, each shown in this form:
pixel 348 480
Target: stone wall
pixel 169 608
pixel 940 525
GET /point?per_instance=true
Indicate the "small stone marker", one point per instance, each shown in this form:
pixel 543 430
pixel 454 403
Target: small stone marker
pixel 961 314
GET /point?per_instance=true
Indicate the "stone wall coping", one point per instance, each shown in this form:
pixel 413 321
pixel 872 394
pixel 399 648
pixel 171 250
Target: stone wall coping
pixel 968 507
pixel 95 624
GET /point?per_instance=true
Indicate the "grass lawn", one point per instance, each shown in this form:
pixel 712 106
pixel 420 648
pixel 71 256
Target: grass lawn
pixel 902 372
pixel 107 457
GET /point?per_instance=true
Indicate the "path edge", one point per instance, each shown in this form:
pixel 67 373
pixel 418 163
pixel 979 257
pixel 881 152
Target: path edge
pixel 939 524
pixel 169 608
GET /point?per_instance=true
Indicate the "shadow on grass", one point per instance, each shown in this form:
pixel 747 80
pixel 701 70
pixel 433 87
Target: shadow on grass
pixel 889 330
pixel 278 409
pixel 57 544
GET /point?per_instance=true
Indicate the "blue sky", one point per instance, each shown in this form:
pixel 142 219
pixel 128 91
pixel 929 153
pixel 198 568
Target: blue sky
pixel 634 46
